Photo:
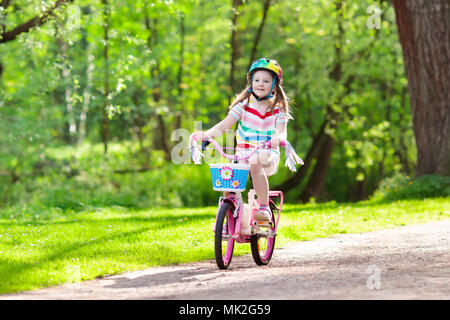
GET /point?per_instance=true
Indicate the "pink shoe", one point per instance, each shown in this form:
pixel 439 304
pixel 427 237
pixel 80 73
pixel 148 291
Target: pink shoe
pixel 263 214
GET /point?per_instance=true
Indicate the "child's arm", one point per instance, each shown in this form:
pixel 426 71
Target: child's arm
pixel 280 135
pixel 218 130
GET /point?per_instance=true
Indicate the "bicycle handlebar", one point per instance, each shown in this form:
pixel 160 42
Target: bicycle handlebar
pixel 291 157
pixel 204 144
pixel 266 145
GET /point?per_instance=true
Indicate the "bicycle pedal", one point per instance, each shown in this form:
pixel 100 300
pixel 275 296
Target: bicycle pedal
pixel 263 223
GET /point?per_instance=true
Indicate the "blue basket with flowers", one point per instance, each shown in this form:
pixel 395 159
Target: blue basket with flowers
pixel 229 176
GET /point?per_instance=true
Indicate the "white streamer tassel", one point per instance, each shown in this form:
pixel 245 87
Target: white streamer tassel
pixel 196 154
pixel 292 159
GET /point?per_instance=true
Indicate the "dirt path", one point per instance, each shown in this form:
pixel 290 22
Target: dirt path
pixel 411 262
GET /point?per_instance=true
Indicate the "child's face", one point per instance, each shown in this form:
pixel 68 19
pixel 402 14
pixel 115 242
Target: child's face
pixel 262 83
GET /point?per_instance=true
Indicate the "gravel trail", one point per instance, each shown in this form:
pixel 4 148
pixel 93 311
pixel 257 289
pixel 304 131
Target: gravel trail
pixel 411 262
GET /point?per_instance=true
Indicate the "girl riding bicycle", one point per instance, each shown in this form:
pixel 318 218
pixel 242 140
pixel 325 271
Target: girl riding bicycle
pixel 262 112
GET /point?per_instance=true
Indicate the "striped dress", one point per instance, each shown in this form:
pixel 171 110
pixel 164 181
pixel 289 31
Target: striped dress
pixel 253 127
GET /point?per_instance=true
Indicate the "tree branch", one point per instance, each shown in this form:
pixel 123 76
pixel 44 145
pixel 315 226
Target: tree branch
pixel 39 20
pixel 259 33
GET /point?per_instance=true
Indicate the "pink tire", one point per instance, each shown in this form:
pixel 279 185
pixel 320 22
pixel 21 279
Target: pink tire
pixel 224 242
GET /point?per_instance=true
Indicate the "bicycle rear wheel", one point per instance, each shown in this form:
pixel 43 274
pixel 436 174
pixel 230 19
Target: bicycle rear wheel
pixel 224 242
pixel 263 246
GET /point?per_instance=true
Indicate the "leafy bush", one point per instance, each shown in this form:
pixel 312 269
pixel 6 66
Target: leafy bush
pixel 400 186
pixel 81 177
pixel 169 186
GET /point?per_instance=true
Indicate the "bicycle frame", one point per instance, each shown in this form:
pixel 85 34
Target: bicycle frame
pixel 235 198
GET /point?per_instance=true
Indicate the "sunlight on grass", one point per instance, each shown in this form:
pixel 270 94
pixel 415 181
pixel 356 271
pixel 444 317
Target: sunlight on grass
pixel 73 246
pixel 307 222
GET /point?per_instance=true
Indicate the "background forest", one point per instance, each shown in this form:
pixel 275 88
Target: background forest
pixel 91 98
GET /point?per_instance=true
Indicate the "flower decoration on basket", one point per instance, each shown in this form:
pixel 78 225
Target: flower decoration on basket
pixel 229 176
pixel 226 173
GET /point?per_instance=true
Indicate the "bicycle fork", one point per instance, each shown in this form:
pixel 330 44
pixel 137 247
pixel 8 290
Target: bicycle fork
pixel 235 200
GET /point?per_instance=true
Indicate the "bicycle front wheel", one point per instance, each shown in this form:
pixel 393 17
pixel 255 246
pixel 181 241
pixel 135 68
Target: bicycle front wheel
pixel 224 241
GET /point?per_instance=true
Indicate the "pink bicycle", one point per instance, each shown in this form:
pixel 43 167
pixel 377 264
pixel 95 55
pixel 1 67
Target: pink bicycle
pixel 234 221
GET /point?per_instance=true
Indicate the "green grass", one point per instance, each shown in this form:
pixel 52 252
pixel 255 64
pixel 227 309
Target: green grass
pixel 54 246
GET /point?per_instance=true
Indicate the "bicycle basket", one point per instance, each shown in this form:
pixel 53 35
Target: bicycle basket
pixel 229 176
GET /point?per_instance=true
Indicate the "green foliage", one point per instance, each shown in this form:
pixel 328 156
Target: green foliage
pixel 400 186
pixel 80 178
pixel 52 94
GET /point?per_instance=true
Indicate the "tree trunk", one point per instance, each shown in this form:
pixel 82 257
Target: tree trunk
pixel 295 180
pixel 235 47
pixel 106 103
pixel 87 46
pixel 139 120
pixel 424 33
pixel 359 191
pixel 66 75
pixel 86 96
pixel 179 99
pixel 316 182
pixel 6 190
pixel 160 141
pixel 403 150
pixel 69 127
pixel 266 7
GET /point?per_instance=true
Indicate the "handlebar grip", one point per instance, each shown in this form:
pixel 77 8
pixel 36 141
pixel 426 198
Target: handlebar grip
pixel 204 144
pixel 282 144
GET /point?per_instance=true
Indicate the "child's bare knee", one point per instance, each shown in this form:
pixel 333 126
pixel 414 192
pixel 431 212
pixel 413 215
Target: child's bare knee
pixel 255 168
pixel 261 159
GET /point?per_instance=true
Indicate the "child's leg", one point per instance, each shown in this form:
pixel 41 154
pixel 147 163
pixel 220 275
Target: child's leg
pixel 260 184
pixel 259 164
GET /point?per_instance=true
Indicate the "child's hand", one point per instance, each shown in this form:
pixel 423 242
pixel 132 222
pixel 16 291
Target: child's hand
pixel 274 142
